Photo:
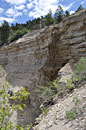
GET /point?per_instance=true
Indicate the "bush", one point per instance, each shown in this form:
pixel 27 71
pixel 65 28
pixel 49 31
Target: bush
pixel 7 108
pixel 17 34
pixel 48 92
pixel 76 100
pixel 45 92
pixel 70 115
pixel 44 111
pixel 70 85
pixel 80 69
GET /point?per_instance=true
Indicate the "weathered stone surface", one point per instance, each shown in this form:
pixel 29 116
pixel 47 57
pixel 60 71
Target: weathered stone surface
pixel 22 62
pixel 38 56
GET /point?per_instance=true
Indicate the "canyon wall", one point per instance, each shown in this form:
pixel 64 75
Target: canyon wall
pixel 36 57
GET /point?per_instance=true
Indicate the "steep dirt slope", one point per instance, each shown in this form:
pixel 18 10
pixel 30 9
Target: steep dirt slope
pixel 56 117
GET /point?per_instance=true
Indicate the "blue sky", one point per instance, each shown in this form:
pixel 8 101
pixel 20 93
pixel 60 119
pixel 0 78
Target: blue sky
pixel 21 11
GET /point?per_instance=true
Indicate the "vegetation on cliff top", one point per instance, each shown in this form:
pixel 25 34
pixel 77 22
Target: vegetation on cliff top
pixel 11 33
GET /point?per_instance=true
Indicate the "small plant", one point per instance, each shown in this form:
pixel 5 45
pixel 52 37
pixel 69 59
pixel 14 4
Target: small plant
pixel 80 69
pixel 20 127
pixel 45 92
pixel 70 115
pixel 76 78
pixel 17 34
pixel 76 100
pixel 70 85
pixel 48 92
pixel 60 93
pixel 44 111
pixel 28 127
pixel 58 87
pixel 55 83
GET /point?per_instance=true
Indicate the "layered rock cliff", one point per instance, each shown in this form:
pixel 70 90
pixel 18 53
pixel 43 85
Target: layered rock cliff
pixel 37 57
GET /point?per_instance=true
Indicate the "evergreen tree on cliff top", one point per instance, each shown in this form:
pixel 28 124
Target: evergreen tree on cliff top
pixel 79 8
pixel 59 14
pixel 48 18
pixel 5 31
pixel 67 13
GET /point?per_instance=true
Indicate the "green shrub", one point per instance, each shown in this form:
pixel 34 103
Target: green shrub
pixel 48 92
pixel 44 111
pixel 80 69
pixel 55 83
pixel 20 127
pixel 7 108
pixel 76 100
pixel 17 34
pixel 70 85
pixel 45 92
pixel 70 115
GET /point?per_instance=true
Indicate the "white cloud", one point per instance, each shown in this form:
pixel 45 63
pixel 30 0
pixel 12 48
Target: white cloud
pixel 42 7
pixel 16 2
pixel 67 7
pixel 13 13
pixel 10 12
pixel 1 10
pixel 71 12
pixel 83 2
pixel 36 8
pixel 10 20
pixel 37 13
pixel 30 5
pixel 25 11
pixel 20 7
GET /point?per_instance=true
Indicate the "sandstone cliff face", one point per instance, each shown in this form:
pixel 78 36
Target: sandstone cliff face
pixel 37 57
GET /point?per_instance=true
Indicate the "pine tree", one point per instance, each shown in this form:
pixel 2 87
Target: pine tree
pixel 48 19
pixel 79 8
pixel 5 30
pixel 67 13
pixel 59 14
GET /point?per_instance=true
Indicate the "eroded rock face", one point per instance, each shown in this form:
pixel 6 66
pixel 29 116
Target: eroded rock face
pixel 38 56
